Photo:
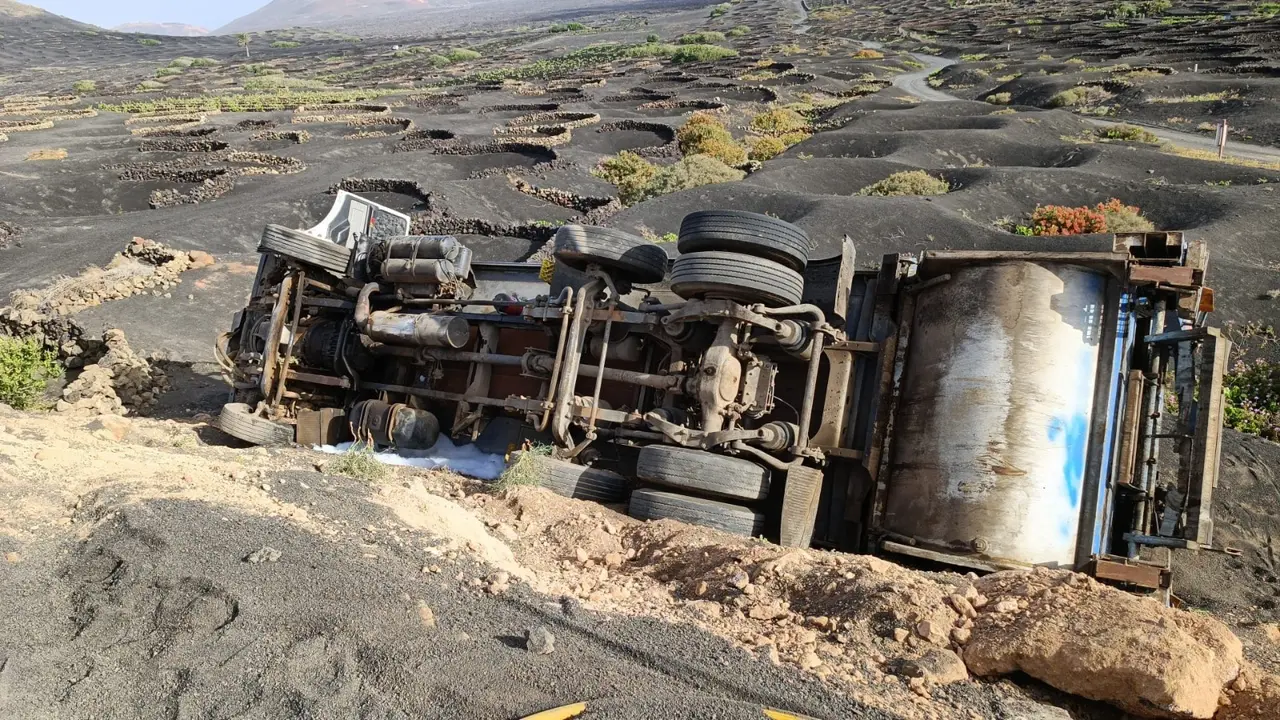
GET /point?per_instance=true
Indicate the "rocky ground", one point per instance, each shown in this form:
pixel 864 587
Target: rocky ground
pixel 149 554
pixel 155 571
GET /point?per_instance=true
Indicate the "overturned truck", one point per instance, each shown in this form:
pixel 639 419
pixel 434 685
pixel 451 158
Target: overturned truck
pixel 982 409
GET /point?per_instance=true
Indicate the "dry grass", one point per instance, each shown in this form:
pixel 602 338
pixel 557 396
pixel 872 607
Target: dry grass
pixel 47 154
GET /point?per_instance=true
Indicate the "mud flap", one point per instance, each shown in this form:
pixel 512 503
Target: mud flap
pixel 800 506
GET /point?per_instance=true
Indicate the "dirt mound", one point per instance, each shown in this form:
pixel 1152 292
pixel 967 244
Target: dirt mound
pixel 880 631
pixel 1092 640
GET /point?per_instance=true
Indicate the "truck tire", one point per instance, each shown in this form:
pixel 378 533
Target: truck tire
pixel 658 505
pixel 580 482
pixel 735 276
pixel 238 421
pixel 304 248
pixel 745 232
pixel 630 258
pixel 702 472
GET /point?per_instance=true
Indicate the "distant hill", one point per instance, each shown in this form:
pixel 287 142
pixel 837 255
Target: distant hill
pixel 149 28
pixel 319 13
pixel 400 16
pixel 23 16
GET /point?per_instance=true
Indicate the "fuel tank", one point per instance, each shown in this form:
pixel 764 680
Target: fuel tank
pixel 990 438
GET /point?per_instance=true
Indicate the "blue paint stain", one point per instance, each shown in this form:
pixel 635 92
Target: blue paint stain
pixel 1073 433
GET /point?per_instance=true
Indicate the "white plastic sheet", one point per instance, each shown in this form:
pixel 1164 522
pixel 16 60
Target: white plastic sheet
pixel 463 459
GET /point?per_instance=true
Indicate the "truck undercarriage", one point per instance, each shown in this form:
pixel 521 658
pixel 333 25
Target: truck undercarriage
pixel 983 409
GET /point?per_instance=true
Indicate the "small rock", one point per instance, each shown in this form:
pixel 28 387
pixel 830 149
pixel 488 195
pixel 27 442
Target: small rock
pixel 110 427
pixel 426 615
pixel 1007 605
pixel 961 635
pixel 610 528
pixel 12 557
pixel 963 606
pixel 265 554
pixel 900 634
pixel 539 641
pixel 765 612
pixel 821 622
pixel 499 583
pixel 613 559
pixel 938 666
pixel 810 660
pixel 707 609
pixel 582 555
pixel 739 580
pixel 701 589
pixel 929 631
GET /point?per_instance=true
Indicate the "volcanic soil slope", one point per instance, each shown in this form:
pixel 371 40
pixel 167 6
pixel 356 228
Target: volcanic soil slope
pixel 495 133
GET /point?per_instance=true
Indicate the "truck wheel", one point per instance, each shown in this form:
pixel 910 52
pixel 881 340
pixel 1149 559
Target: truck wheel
pixel 702 472
pixel 631 258
pixel 736 276
pixel 238 421
pixel 306 249
pixel 581 482
pixel 658 505
pixel 745 232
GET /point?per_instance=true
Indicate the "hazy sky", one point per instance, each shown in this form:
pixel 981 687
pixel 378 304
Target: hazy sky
pixel 108 13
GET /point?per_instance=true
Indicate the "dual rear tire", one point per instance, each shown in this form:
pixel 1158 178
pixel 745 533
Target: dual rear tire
pixel 686 475
pixel 740 256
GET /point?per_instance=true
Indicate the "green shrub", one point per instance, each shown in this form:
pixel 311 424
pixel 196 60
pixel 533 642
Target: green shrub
pixel 738 31
pixel 1110 216
pixel 765 148
pixel 701 38
pixel 779 121
pixel 638 179
pixel 652 38
pixel 462 55
pixel 650 50
pixel 151 85
pixel 525 469
pixel 702 53
pixel 26 369
pixel 1122 218
pixel 1002 98
pixel 168 71
pixel 868 54
pixel 1252 399
pixel 908 182
pixel 358 462
pixel 1127 133
pixel 260 69
pixel 203 62
pixel 568 27
pixel 182 62
pixel 705 135
pixel 148 42
pixel 1082 96
pixel 690 172
pixel 629 172
pixel 286 44
pixel 721 9
pixel 84 86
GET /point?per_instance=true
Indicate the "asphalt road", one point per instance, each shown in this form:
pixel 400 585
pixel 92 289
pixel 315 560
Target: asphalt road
pixel 916 83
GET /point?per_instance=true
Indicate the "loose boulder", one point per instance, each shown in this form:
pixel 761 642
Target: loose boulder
pixel 1095 641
